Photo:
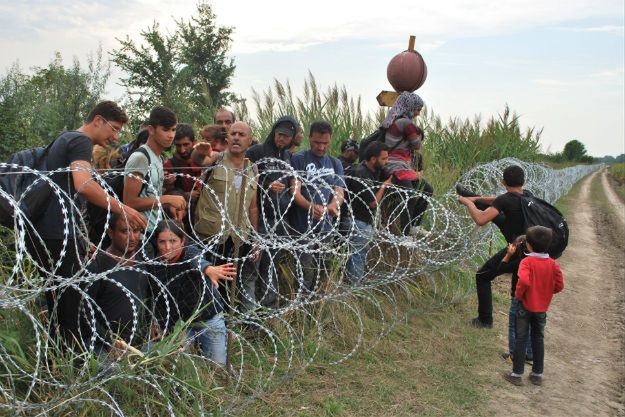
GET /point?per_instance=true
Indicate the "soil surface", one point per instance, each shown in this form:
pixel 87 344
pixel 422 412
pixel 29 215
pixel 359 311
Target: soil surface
pixel 585 333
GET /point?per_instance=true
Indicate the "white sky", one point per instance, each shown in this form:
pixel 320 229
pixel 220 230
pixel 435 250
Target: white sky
pixel 558 63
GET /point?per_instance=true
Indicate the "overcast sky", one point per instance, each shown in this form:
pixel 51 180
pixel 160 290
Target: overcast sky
pixel 559 64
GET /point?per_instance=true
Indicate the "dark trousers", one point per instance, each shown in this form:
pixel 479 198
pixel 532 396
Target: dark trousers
pixel 63 304
pixel 488 272
pixel 526 322
pixel 267 289
pixel 413 216
pixel 246 273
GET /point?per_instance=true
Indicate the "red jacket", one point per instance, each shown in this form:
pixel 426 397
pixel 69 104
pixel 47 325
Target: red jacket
pixel 539 280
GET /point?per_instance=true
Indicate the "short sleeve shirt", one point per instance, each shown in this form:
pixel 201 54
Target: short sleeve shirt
pixel 510 205
pixel 69 147
pixel 320 176
pixel 138 163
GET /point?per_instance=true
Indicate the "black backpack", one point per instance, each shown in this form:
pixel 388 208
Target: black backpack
pixel 378 135
pixel 115 180
pixel 537 212
pixel 30 191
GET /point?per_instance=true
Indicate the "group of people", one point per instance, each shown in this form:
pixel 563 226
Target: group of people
pixel 536 277
pixel 161 246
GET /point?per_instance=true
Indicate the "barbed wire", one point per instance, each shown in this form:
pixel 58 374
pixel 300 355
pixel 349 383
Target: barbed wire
pixel 326 323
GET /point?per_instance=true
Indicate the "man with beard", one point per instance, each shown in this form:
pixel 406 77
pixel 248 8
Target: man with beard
pixel 273 160
pixel 364 195
pixel 181 163
pixel 349 154
pixel 116 299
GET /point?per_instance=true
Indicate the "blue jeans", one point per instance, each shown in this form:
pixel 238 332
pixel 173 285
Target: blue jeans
pixel 212 338
pixel 360 237
pixel 526 320
pixel 514 307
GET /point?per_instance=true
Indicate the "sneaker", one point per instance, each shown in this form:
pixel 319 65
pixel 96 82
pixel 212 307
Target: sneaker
pixel 514 380
pixel 463 191
pixel 476 322
pixel 536 379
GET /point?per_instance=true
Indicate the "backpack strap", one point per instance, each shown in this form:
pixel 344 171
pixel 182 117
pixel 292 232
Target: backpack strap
pixel 146 179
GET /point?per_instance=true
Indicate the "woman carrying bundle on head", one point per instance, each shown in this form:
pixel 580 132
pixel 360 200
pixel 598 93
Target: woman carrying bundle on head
pixel 403 139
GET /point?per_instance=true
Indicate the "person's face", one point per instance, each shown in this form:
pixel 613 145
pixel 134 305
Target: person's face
pixel 282 140
pixel 184 147
pixel 224 119
pixel 169 245
pixel 109 131
pixel 298 138
pixel 125 237
pixel 350 155
pixel 417 112
pixel 164 136
pixel 381 160
pixel 217 145
pixel 239 138
pixel 319 143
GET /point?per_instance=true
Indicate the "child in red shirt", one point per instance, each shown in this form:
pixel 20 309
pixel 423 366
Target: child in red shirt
pixel 539 278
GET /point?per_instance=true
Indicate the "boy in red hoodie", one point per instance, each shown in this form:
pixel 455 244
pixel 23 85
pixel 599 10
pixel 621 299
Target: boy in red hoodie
pixel 539 278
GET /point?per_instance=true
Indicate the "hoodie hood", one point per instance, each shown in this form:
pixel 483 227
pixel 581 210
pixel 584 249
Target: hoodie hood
pixel 270 141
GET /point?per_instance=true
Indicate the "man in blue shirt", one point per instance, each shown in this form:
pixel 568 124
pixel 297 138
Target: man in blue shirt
pixel 318 194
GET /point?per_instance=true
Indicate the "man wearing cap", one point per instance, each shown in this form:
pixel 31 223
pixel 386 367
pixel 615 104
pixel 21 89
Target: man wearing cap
pixel 349 153
pixel 274 198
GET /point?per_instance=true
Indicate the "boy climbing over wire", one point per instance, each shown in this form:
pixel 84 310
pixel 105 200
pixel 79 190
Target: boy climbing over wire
pixel 539 278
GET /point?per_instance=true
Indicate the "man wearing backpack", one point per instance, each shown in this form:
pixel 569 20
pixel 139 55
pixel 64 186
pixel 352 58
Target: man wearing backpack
pixel 512 224
pixel 53 240
pixel 144 175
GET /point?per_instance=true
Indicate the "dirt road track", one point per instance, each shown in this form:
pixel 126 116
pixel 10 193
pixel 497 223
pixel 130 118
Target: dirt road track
pixel 585 333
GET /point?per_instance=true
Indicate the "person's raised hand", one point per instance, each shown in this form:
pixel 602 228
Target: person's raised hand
pixel 225 272
pixel 203 149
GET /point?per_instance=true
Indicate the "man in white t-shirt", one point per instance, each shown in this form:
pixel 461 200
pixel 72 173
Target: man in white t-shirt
pixel 143 184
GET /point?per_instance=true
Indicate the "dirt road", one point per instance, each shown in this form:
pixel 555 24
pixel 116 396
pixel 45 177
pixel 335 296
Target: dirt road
pixel 585 333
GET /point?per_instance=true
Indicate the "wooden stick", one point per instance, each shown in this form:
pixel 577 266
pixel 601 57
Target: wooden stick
pixel 411 43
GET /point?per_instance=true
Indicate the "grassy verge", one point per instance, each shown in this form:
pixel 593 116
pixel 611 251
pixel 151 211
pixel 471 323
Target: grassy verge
pixel 617 179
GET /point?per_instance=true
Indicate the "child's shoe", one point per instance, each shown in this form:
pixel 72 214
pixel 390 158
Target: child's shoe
pixel 536 379
pixel 513 379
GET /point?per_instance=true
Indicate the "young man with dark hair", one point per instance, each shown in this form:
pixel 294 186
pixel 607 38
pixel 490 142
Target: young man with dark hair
pixel 224 118
pixel 318 194
pixel 511 226
pixel 181 163
pixel 54 239
pixel 146 197
pixel 364 193
pixel 117 298
pixel 540 278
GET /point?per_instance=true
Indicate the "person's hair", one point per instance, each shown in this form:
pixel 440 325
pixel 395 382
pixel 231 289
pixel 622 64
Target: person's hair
pixel 375 149
pixel 320 126
pixel 109 110
pixel 115 218
pixel 521 247
pixel 103 156
pixel 216 132
pixel 162 116
pixel 539 237
pixel 184 130
pixel 140 139
pixel 224 110
pixel 514 176
pixel 171 225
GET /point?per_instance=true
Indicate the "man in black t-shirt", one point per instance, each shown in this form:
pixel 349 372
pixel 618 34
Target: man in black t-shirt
pixel 116 300
pixel 53 240
pixel 511 225
pixel 364 194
